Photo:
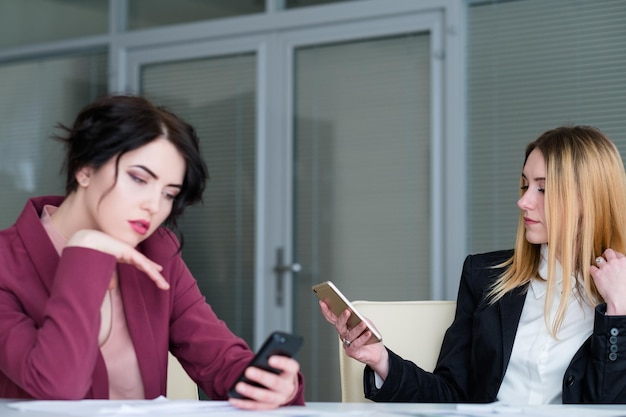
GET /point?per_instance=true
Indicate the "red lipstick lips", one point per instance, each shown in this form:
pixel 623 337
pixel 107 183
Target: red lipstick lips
pixel 140 226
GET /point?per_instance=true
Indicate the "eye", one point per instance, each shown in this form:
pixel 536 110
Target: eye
pixel 524 187
pixel 171 194
pixel 137 179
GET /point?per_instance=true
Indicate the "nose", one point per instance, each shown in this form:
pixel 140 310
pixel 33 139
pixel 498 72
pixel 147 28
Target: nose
pixel 152 203
pixel 525 202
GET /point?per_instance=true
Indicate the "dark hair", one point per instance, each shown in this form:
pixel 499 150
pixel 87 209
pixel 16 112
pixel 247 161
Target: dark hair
pixel 113 125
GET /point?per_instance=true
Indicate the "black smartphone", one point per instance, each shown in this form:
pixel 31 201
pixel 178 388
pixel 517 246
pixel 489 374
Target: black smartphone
pixel 277 343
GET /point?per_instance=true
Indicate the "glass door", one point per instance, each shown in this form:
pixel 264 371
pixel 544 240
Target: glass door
pixel 323 146
pixel 214 88
pixel 363 125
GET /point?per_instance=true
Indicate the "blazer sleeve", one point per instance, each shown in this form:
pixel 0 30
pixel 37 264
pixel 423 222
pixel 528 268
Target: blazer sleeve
pixel 597 373
pixel 52 354
pixel 451 379
pixel 208 350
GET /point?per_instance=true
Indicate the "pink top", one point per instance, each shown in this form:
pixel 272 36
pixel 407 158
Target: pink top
pixel 114 339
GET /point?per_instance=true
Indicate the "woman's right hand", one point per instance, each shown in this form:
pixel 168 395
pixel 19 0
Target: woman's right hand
pixel 374 354
pixel 123 252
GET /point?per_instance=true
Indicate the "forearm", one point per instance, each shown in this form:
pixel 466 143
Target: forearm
pixel 597 373
pixel 50 350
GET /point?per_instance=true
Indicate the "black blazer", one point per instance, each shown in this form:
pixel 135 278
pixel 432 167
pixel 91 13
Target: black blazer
pixel 477 347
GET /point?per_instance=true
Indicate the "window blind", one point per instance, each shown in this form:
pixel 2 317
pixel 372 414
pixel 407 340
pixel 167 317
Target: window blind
pixel 534 65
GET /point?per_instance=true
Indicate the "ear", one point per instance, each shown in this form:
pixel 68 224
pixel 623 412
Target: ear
pixel 83 176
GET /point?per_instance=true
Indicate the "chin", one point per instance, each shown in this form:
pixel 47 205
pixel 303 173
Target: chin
pixel 536 240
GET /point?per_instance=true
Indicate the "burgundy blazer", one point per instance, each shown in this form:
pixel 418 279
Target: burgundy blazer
pixel 50 318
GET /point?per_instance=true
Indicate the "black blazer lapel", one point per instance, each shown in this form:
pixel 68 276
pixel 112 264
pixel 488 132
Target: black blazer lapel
pixel 510 307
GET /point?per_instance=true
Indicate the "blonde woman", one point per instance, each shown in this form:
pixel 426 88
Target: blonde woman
pixel 543 323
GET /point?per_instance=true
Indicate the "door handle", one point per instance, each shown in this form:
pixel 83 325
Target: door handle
pixel 280 269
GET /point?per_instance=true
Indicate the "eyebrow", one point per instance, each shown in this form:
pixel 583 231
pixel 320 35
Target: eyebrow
pixel 155 176
pixel 536 179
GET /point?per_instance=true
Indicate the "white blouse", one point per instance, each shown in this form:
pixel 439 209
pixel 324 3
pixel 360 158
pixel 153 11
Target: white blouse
pixel 539 361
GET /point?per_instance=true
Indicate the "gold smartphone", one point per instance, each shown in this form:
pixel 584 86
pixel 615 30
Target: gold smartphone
pixel 338 303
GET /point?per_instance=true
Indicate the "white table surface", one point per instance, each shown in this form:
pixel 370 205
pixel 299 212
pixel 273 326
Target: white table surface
pixel 99 408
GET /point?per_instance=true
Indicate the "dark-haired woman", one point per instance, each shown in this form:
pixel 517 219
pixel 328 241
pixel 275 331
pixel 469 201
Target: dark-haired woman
pixel 93 291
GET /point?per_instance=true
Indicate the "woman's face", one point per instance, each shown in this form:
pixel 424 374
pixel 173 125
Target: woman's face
pixel 133 207
pixel 532 201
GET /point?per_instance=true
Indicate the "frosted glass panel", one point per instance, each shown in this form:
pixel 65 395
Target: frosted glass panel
pixel 30 21
pixel 36 95
pixel 218 97
pixel 150 13
pixel 362 183
pixel 292 4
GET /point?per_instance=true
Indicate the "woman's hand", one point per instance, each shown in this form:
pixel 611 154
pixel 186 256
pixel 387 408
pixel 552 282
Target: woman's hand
pixel 609 275
pixel 281 389
pixel 375 355
pixel 123 252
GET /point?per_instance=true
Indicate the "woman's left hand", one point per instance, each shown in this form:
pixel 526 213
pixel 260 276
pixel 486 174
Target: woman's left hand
pixel 281 389
pixel 609 275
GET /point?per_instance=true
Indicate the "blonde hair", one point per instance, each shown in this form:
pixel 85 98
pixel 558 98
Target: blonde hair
pixel 585 209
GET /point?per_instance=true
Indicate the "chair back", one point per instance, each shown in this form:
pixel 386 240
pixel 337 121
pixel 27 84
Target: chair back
pixel 412 329
pixel 179 385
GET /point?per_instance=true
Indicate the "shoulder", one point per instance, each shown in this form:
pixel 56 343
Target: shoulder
pixel 24 238
pixel 8 235
pixel 481 270
pixel 488 259
pixel 10 247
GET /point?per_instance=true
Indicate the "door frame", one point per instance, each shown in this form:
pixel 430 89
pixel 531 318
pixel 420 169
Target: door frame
pixel 447 152
pixel 273 38
pixel 259 45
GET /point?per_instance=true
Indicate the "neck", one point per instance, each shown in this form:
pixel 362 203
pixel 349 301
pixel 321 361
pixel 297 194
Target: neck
pixel 71 216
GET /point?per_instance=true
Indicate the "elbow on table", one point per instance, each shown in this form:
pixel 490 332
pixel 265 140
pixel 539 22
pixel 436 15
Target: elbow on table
pixel 58 390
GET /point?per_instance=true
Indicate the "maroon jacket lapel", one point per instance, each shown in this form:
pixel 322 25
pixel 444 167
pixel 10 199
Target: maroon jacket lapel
pixel 36 241
pixel 140 327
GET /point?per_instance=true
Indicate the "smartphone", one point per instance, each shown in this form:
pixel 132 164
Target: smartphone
pixel 277 343
pixel 338 303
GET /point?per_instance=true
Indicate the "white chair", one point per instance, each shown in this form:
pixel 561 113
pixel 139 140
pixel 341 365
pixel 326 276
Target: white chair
pixel 412 329
pixel 179 385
